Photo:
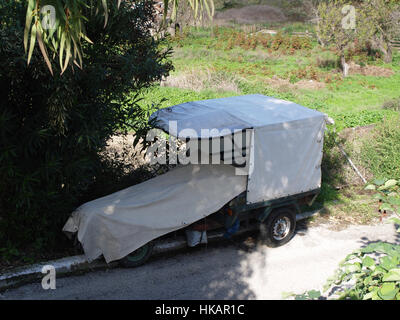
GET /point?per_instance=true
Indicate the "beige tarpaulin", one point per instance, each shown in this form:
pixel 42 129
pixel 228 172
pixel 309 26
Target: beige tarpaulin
pixel 122 222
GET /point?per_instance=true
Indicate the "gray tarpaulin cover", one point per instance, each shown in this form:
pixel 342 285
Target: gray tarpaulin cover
pixel 120 223
pixel 287 139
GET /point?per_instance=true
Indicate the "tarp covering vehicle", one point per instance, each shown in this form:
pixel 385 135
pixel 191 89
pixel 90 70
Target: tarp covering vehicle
pixel 283 158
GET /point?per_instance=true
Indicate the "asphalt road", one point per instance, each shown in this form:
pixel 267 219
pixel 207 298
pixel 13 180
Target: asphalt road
pixel 222 271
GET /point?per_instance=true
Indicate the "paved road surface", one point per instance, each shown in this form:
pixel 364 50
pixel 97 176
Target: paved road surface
pixel 222 272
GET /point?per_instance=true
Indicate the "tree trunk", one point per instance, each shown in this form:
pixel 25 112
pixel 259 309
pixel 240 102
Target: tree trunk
pixel 345 65
pixel 385 47
pixel 388 57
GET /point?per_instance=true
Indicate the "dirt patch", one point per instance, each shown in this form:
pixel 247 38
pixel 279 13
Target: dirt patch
pixel 251 15
pixel 310 84
pixel 374 71
pixel 198 80
pixel 286 85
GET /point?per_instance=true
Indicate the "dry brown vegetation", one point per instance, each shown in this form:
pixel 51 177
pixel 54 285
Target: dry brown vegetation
pixel 251 14
pixel 375 71
pixel 199 80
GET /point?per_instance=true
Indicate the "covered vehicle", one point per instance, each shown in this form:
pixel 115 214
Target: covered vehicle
pixel 282 154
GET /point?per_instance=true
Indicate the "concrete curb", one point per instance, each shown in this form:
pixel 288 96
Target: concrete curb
pixel 63 267
pixel 70 265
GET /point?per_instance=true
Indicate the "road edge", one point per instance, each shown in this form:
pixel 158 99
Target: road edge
pixel 75 264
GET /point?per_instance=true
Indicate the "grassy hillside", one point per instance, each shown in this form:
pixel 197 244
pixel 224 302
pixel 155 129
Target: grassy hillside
pixel 227 61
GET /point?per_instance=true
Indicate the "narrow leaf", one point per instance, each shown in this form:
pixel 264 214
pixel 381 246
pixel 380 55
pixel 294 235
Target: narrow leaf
pixel 28 22
pixel 104 3
pixel 32 43
pixel 43 50
pixel 62 43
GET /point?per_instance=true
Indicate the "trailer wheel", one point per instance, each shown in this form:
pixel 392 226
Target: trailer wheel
pixel 278 228
pixel 137 257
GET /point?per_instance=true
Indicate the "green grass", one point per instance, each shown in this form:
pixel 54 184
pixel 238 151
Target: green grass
pixel 353 101
pixel 169 96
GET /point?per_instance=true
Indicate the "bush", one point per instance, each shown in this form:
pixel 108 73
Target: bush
pixel 53 129
pixel 381 151
pixel 392 105
pixel 372 272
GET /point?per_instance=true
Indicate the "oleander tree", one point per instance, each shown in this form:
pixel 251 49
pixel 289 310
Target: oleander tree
pixel 58 26
pixel 54 129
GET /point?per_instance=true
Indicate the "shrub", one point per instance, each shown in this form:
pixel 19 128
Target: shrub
pixel 250 41
pixel 372 272
pixel 327 63
pixel 53 129
pixel 381 151
pixel 392 105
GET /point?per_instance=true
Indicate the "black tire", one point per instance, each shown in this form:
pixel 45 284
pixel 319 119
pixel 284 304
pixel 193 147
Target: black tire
pixel 137 257
pixel 278 228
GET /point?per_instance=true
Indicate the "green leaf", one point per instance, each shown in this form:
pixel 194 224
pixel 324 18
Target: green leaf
pixel 314 294
pixel 104 3
pixel 367 281
pixel 375 295
pixel 386 207
pixel 393 200
pixel 28 22
pixel 392 275
pixel 378 270
pixel 389 262
pixel 32 43
pixel 286 295
pixel 378 196
pixel 368 262
pixel 390 183
pixel 61 53
pixel 372 294
pixel 395 220
pixel 370 187
pixel 351 256
pixel 67 54
pixel 388 291
pixel 353 267
pixel 379 182
pixel 44 50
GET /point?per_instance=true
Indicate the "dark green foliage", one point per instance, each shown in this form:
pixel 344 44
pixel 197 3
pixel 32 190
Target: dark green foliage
pixel 53 129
